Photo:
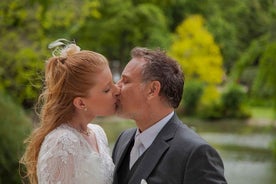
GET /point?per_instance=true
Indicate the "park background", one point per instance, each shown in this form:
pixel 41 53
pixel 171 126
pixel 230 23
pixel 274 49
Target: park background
pixel 227 49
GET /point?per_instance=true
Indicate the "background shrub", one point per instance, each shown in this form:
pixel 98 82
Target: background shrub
pixel 209 105
pixel 15 127
pixel 232 100
pixel 225 103
pixel 191 95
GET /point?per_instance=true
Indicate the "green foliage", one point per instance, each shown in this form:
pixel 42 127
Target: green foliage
pixel 23 49
pixel 209 106
pixel 255 49
pixel 232 97
pixel 15 127
pixel 67 17
pixel 191 96
pixel 248 75
pixel 219 38
pixel 240 30
pixel 258 63
pixel 22 55
pixel 265 84
pixel 232 100
pixel 119 29
pixel 227 103
pixel 21 76
pixel 196 51
pixel 229 21
pixel 211 111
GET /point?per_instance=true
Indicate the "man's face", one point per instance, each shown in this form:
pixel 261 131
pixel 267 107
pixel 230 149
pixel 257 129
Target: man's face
pixel 132 98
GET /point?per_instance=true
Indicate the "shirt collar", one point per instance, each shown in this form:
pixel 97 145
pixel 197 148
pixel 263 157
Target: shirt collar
pixel 148 136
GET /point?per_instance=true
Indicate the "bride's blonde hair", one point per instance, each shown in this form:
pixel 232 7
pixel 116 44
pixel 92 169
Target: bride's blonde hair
pixel 67 76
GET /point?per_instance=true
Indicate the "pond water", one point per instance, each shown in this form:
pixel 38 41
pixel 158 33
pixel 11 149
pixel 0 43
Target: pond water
pixel 246 157
pixel 248 170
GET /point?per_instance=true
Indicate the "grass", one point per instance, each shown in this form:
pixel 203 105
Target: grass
pixel 262 112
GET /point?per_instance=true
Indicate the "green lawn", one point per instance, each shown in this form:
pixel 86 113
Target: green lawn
pixel 262 112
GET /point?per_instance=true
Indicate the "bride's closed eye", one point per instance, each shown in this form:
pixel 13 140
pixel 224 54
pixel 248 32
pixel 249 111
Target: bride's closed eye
pixel 106 90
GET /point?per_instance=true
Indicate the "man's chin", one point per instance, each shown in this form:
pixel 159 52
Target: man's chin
pixel 121 114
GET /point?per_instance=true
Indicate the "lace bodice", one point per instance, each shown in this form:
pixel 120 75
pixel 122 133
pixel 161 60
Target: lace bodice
pixel 66 157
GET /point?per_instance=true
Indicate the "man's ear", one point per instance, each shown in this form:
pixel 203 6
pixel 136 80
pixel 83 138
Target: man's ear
pixel 154 88
pixel 79 103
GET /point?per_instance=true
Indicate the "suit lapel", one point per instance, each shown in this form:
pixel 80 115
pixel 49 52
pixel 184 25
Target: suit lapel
pixel 155 151
pixel 122 149
pixel 149 161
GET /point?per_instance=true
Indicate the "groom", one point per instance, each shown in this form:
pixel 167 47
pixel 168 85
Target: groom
pixel 161 150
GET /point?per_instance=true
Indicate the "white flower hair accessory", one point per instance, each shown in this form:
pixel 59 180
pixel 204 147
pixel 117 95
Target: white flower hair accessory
pixel 63 47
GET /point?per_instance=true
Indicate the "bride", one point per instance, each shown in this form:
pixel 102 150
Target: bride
pixel 66 148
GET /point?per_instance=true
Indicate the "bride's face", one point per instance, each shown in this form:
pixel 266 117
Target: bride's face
pixel 102 97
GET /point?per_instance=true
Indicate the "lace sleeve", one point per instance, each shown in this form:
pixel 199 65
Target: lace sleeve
pixel 57 158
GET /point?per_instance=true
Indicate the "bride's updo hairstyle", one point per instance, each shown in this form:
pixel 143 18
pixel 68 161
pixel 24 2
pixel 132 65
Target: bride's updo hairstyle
pixel 68 74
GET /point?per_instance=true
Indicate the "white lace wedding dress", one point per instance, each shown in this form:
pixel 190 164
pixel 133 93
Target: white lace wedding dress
pixel 66 157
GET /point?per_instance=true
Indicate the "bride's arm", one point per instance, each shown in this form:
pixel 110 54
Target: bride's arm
pixel 56 162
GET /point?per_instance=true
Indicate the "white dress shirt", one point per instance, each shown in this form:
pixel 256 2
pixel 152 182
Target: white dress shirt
pixel 145 138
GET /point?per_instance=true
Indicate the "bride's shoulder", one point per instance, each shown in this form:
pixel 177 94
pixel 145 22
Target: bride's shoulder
pixel 63 133
pixel 97 129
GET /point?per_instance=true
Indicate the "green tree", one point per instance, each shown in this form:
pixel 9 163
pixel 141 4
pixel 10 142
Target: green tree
pixel 197 52
pixel 21 53
pixel 122 26
pixel 28 27
pixel 266 78
pixel 234 24
pixel 260 55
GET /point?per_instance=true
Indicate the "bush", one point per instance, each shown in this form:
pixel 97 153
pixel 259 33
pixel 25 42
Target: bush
pixel 15 127
pixel 21 75
pixel 232 97
pixel 232 100
pixel 228 103
pixel 211 111
pixel 210 106
pixel 191 96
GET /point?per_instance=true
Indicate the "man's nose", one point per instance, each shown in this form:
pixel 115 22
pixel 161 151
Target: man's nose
pixel 119 84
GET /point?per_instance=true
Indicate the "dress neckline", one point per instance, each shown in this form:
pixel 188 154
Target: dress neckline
pixel 84 140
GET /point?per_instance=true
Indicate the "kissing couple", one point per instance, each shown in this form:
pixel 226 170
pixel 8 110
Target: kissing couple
pixel 66 148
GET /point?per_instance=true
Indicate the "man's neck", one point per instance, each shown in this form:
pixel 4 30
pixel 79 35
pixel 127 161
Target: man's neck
pixel 151 118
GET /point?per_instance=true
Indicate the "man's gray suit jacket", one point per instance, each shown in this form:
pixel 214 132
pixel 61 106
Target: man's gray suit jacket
pixel 177 156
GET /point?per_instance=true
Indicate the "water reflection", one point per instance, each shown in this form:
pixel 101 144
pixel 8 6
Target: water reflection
pixel 261 141
pixel 243 171
pixel 249 162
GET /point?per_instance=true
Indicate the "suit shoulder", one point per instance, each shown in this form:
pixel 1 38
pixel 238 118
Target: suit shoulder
pixel 188 136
